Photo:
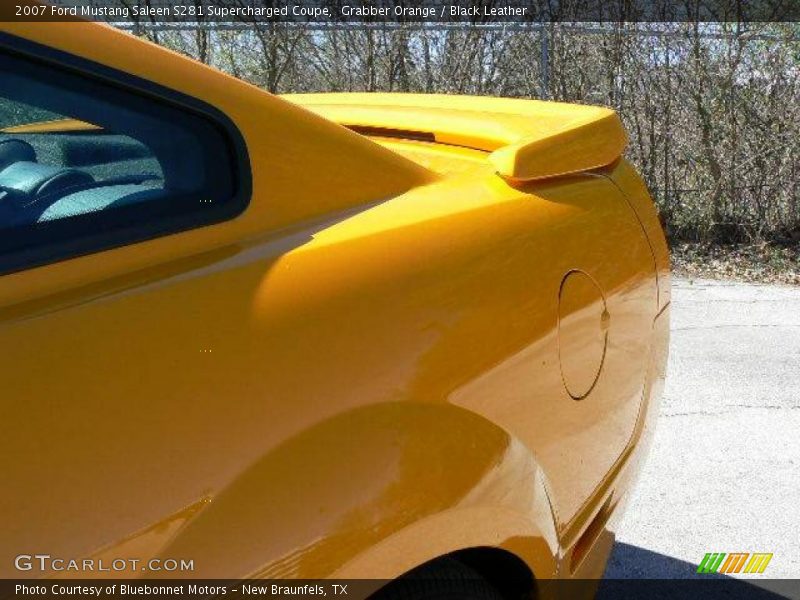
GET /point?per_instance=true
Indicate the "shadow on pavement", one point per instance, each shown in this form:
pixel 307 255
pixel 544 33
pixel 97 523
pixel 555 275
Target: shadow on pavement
pixel 634 572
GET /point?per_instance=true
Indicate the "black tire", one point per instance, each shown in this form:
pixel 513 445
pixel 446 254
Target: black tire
pixel 444 579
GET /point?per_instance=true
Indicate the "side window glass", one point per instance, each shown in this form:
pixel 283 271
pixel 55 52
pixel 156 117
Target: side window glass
pixel 87 165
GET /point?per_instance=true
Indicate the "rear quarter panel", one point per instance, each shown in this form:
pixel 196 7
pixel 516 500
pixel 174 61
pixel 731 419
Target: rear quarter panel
pixel 132 399
pixel 358 374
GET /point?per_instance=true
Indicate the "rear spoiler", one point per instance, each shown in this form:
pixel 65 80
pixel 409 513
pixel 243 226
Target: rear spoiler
pixel 527 139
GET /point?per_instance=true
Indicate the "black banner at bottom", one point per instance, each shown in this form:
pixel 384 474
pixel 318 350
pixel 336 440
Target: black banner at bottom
pixel 362 589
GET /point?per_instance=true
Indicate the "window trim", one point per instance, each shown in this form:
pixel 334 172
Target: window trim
pixel 132 232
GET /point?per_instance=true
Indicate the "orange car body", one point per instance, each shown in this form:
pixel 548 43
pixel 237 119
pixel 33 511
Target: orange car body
pixel 440 324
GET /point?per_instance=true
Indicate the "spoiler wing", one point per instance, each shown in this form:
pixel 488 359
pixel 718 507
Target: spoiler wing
pixel 527 139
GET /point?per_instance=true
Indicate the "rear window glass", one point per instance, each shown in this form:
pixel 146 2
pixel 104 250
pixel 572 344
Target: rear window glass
pixel 86 165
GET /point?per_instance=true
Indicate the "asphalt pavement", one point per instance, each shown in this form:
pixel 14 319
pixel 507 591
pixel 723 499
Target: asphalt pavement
pixel 723 474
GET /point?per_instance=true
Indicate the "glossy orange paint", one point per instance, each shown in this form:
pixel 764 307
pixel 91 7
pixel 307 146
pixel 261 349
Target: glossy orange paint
pixel 360 373
pixel 583 324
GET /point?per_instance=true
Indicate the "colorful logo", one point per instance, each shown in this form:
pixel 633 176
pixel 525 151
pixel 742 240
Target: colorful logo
pixel 736 562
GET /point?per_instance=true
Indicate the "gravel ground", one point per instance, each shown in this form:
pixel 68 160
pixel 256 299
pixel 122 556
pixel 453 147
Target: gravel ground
pixel 755 262
pixel 723 474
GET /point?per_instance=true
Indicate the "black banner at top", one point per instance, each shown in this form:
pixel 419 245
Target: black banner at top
pixel 355 12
